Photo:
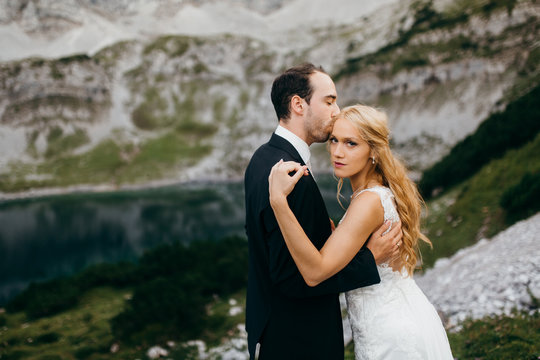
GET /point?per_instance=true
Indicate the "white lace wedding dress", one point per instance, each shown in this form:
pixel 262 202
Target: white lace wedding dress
pixel 394 319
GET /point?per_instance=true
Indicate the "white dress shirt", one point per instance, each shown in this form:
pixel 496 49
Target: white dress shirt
pixel 300 145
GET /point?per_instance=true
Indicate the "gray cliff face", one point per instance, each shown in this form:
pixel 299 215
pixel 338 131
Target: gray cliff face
pixel 192 107
pixel 454 79
pixel 492 277
pixel 51 16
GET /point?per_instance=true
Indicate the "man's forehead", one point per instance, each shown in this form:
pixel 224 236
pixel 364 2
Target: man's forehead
pixel 322 82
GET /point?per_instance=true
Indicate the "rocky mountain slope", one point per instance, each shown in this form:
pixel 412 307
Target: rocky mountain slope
pixel 492 277
pixel 181 91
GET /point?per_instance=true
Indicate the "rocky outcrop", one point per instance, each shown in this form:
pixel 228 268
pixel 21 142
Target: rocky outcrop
pixel 441 84
pixel 492 277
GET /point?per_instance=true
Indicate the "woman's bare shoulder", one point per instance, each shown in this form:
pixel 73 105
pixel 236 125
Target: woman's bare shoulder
pixel 366 207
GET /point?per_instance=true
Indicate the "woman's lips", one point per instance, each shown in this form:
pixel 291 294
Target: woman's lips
pixel 338 164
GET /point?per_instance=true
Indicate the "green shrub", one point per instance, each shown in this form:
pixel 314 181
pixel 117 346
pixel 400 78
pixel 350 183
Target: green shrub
pixel 45 299
pixel 173 286
pixel 74 58
pixel 16 355
pixel 522 200
pixel 85 352
pixel 502 131
pixel 177 283
pixel 47 338
pixel 53 296
pixel 498 337
pixel 162 309
pixel 117 275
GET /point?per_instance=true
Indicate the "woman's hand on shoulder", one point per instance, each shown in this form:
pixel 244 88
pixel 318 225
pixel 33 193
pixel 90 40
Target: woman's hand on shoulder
pixel 280 183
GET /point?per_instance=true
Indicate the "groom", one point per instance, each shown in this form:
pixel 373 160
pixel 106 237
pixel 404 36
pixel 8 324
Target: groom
pixel 289 319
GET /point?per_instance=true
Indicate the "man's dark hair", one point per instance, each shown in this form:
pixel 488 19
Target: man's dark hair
pixel 294 81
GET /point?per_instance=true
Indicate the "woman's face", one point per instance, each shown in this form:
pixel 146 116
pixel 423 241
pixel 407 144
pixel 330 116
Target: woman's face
pixel 349 153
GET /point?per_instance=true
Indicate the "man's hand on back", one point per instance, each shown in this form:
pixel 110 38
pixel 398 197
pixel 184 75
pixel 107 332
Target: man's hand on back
pixel 385 247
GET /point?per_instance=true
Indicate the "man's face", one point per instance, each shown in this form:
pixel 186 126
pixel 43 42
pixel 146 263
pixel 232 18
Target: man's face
pixel 321 109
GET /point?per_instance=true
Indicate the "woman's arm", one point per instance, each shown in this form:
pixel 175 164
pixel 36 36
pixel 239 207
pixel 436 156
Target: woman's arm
pixel 364 215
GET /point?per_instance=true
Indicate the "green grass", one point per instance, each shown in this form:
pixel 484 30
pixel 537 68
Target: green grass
pixel 108 56
pixel 159 157
pixel 471 210
pixel 84 332
pixel 498 337
pixel 349 351
pixel 151 113
pixel 402 54
pixel 172 45
pixel 80 333
pixel 115 164
pixel 168 282
pixel 224 325
pixel 96 166
pixel 59 144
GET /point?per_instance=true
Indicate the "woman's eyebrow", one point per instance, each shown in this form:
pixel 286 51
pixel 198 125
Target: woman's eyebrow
pixel 345 138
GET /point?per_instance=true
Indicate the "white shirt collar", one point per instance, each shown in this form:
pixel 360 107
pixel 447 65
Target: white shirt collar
pixel 300 145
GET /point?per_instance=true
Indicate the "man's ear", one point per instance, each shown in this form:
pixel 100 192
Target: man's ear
pixel 297 105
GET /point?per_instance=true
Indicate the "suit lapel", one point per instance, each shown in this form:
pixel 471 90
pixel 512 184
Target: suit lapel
pixel 280 143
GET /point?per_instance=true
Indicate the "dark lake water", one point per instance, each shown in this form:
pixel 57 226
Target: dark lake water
pixel 48 237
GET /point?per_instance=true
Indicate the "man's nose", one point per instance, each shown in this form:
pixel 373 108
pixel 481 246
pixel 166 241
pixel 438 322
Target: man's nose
pixel 336 110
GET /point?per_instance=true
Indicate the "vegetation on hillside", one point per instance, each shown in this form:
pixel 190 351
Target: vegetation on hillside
pixel 171 292
pixel 404 53
pixel 174 293
pixel 177 293
pixel 475 209
pixel 499 337
pixel 521 200
pixel 175 284
pixel 508 129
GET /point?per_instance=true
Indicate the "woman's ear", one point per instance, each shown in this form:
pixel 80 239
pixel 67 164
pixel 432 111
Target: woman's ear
pixel 373 157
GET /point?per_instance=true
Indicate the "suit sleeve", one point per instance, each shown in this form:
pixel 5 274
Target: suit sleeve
pixel 284 274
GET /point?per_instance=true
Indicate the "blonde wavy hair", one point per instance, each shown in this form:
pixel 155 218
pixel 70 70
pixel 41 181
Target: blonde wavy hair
pixel 372 125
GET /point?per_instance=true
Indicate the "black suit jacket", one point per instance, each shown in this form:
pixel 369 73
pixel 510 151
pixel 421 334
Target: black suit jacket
pixel 290 319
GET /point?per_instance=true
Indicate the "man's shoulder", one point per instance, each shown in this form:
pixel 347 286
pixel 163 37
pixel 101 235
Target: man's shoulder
pixel 267 155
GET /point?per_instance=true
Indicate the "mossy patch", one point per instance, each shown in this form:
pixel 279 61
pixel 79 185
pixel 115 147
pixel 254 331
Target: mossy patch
pixel 173 46
pixel 472 210
pixel 80 333
pixel 404 54
pixel 59 143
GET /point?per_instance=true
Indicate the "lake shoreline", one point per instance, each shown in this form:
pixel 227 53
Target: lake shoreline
pixel 112 188
pixel 106 188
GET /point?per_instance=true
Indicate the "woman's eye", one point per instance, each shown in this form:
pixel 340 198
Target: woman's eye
pixel 351 143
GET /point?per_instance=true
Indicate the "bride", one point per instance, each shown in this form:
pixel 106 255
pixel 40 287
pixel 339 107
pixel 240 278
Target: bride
pixel 392 319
